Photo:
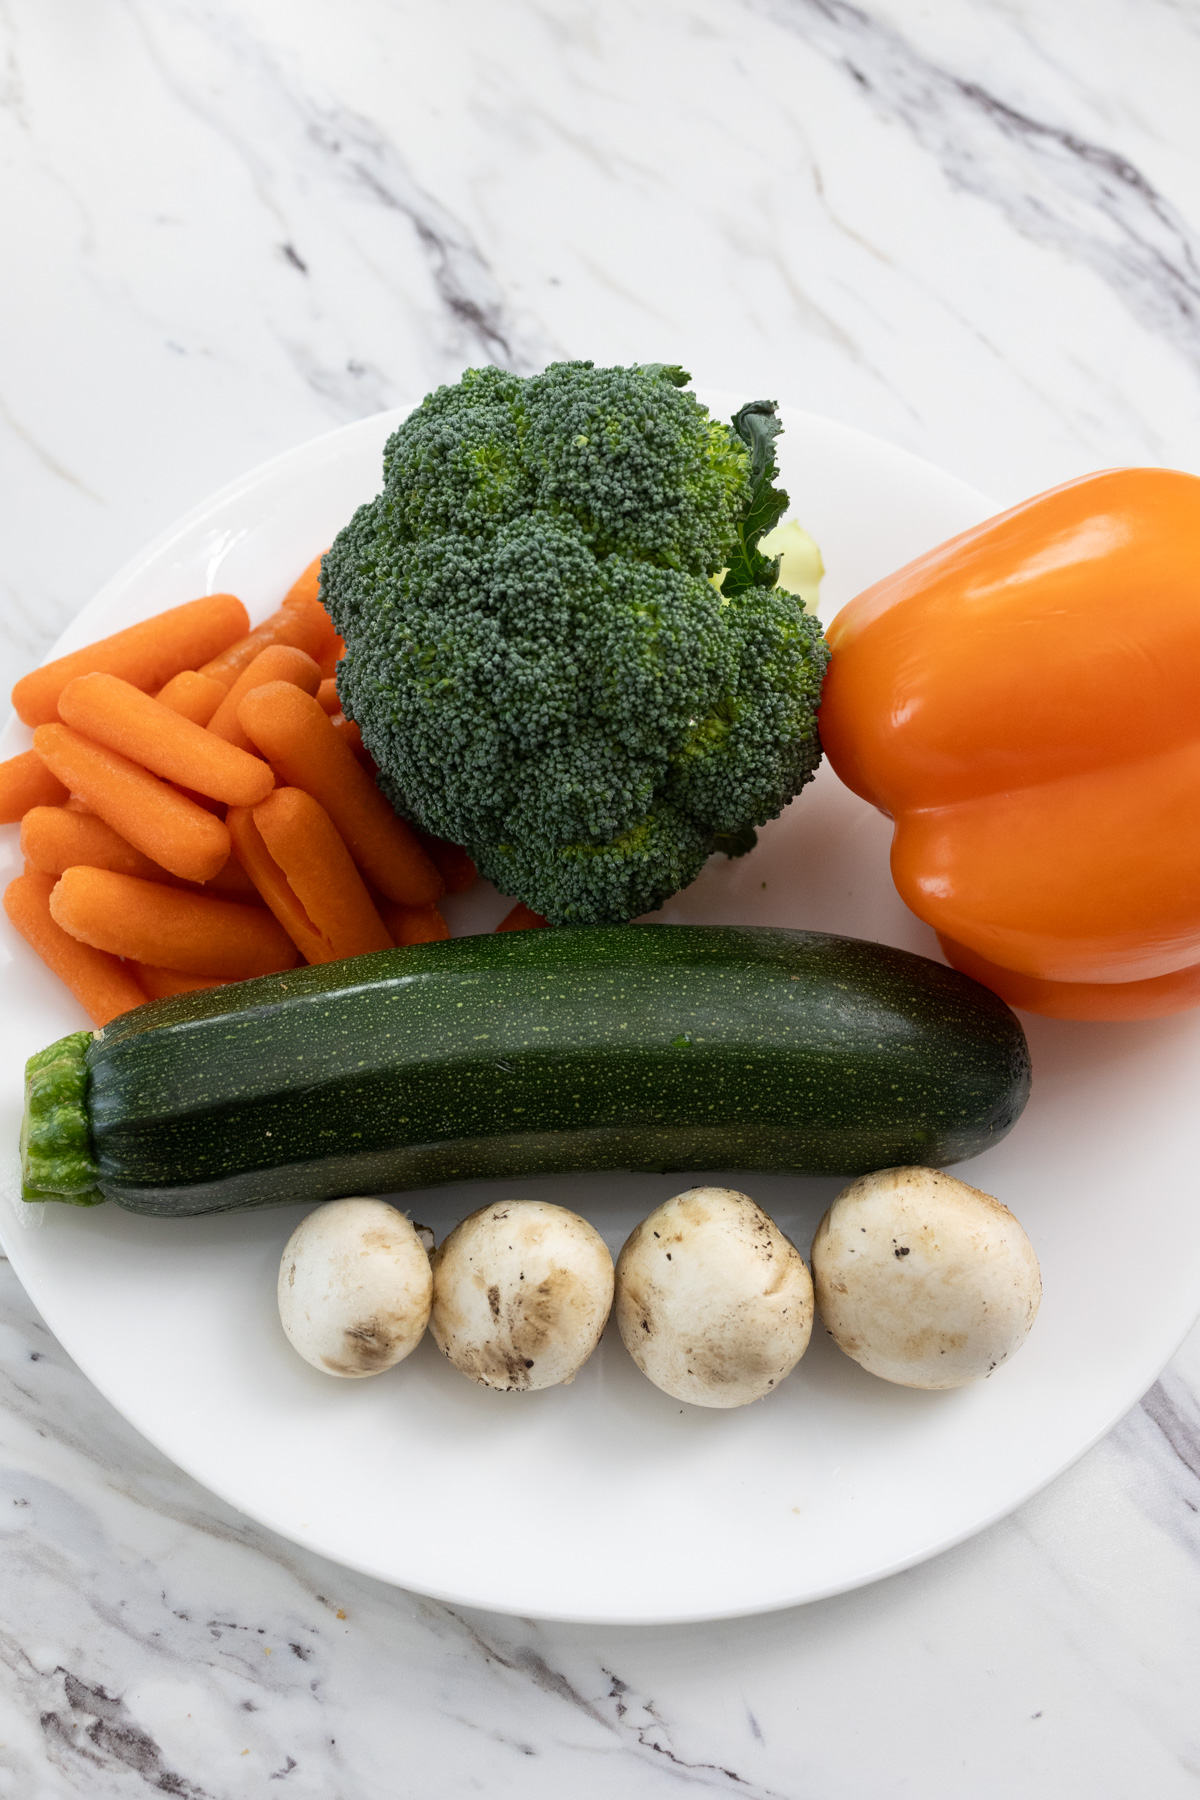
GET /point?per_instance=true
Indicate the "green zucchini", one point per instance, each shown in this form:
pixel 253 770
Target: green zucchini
pixel 597 1047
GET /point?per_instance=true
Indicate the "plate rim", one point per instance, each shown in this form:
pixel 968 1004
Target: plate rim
pixel 12 1240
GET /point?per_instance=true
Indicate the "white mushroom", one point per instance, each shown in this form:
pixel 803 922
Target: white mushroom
pixel 924 1280
pixel 521 1293
pixel 355 1287
pixel 714 1303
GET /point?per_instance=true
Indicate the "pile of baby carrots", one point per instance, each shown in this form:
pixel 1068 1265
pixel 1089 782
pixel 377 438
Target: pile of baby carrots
pixel 196 809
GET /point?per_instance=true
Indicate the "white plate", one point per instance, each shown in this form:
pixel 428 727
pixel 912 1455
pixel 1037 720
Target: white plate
pixel 607 1500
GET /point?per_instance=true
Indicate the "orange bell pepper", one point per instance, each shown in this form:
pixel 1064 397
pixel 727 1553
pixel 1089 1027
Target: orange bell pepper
pixel 1024 702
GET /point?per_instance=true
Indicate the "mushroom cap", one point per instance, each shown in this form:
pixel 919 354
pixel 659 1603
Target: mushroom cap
pixel 354 1287
pixel 924 1280
pixel 521 1293
pixel 714 1303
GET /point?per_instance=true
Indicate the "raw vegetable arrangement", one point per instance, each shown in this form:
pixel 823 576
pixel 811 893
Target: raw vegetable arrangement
pixel 164 853
pixel 566 648
pixel 1023 702
pixel 713 1303
pixel 586 1047
pixel 557 647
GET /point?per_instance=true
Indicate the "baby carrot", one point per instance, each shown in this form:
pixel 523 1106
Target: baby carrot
pixel 147 655
pixel 112 713
pixel 25 781
pixel 350 734
pixel 306 750
pixel 160 984
pixel 165 825
pixel 278 662
pixel 414 924
pixel 306 625
pixel 272 884
pixel 194 696
pixel 232 881
pixel 303 840
pixel 54 838
pixel 334 652
pixel 102 984
pixel 327 694
pixel 521 918
pixel 306 585
pixel 452 863
pixel 169 928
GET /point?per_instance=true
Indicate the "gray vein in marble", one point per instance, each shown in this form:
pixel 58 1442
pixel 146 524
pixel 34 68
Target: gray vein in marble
pixel 91 1729
pixel 1159 444
pixel 1177 1416
pixel 359 157
pixel 817 318
pixel 604 277
pixel 132 1467
pixel 466 285
pixel 632 1718
pixel 12 89
pixel 58 1532
pixel 46 457
pixel 189 93
pixel 1185 11
pixel 14 100
pixel 32 628
pixel 917 277
pixel 1082 199
pixel 356 389
pixel 1161 1439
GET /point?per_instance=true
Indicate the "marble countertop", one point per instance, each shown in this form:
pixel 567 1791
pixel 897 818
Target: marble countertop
pixel 970 226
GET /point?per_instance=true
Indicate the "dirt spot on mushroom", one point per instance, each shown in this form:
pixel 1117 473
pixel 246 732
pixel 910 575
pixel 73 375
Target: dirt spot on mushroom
pixel 521 1294
pixel 733 1312
pixel 354 1287
pixel 536 1312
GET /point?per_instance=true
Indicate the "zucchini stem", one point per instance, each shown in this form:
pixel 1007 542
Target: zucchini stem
pixel 56 1150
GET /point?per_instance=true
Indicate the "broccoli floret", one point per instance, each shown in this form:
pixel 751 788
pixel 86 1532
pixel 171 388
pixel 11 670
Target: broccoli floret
pixel 457 463
pixel 564 647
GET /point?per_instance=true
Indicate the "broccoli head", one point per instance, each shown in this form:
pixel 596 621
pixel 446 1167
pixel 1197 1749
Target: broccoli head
pixel 564 648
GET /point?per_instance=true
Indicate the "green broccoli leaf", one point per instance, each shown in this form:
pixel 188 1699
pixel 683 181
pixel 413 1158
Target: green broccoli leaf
pixel 735 843
pixel 672 372
pixel 758 426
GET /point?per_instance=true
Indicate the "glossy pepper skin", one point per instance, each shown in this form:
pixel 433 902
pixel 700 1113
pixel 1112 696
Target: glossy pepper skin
pixel 1024 702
